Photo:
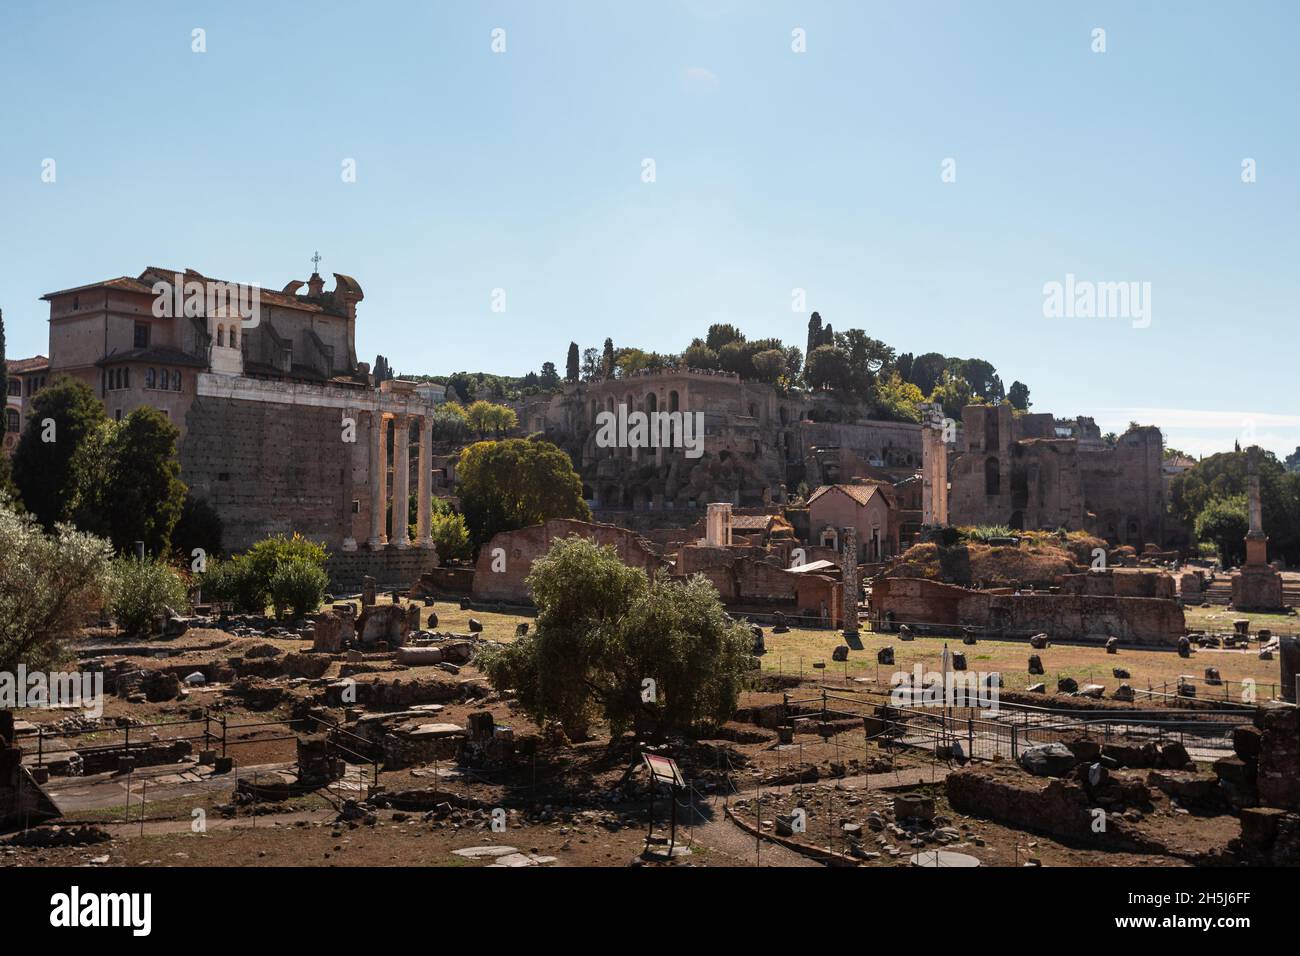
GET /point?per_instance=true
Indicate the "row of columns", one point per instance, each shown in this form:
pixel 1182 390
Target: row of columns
pixel 401 480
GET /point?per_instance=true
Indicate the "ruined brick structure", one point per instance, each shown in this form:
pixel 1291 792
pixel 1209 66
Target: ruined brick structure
pixel 757 446
pixel 505 561
pixel 1034 471
pixel 1094 613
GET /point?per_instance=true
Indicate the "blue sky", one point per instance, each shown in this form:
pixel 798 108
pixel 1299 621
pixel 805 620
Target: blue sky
pixel 775 171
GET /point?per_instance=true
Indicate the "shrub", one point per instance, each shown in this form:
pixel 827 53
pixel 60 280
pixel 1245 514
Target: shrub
pixel 235 582
pixel 299 585
pixel 270 553
pixel 140 590
pixel 449 532
pixel 49 585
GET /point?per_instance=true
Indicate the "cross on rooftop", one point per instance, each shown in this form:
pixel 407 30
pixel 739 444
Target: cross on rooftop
pixel 315 262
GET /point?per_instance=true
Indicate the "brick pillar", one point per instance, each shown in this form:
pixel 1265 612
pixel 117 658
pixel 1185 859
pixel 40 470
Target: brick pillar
pixel 424 484
pixel 378 479
pixel 401 480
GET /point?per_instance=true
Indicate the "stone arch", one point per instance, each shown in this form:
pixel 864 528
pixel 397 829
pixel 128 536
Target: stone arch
pixel 674 401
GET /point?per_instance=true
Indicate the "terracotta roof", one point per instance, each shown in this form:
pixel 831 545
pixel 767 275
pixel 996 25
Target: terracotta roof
pixel 36 363
pixel 751 522
pixel 121 282
pixel 145 281
pixel 859 493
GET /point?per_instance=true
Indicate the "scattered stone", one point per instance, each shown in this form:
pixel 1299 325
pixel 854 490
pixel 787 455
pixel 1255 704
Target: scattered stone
pixel 1048 760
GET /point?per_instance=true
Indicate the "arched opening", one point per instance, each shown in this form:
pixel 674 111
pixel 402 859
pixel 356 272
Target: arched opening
pixel 673 401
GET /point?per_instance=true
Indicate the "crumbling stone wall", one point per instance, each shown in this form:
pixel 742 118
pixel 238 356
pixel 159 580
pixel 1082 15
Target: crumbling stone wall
pixel 918 601
pixel 506 581
pixel 1016 471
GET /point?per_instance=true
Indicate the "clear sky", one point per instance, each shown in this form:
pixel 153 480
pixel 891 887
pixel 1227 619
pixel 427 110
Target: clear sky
pixel 774 171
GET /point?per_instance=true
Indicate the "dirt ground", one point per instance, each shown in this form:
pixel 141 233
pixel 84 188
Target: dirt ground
pixel 568 802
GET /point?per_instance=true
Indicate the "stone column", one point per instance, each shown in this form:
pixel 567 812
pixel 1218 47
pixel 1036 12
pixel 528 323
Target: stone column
pixel 717 525
pixel 424 485
pixel 401 480
pixel 849 569
pixel 378 480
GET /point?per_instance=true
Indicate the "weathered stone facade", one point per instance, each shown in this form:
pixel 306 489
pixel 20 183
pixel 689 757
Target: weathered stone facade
pixel 1034 472
pixel 282 430
pixel 757 445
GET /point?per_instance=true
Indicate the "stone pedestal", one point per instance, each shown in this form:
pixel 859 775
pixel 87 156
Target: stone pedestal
pixel 1257 588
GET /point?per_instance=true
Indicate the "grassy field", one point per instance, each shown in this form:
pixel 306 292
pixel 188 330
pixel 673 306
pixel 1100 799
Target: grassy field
pixel 798 651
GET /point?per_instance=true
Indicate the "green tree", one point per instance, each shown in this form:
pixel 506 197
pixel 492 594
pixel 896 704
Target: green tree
pixel 450 423
pixel 1019 395
pixel 607 360
pixel 1223 522
pixel 145 493
pixel 481 417
pixel 866 357
pixel 734 357
pixel 572 370
pixel 511 484
pixel 49 585
pixel 827 369
pixel 721 334
pixel 981 375
pixel 43 463
pixel 769 365
pixel 927 371
pixel 1225 475
pixel 604 629
pixel 814 333
pixel 141 590
pixel 699 355
pixel 953 392
pixel 897 400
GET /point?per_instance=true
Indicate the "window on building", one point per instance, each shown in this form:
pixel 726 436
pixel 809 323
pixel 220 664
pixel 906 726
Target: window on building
pixel 16 387
pixel 11 420
pixel 150 378
pixel 234 336
pixel 221 336
pixel 118 414
pixel 176 380
pixel 142 335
